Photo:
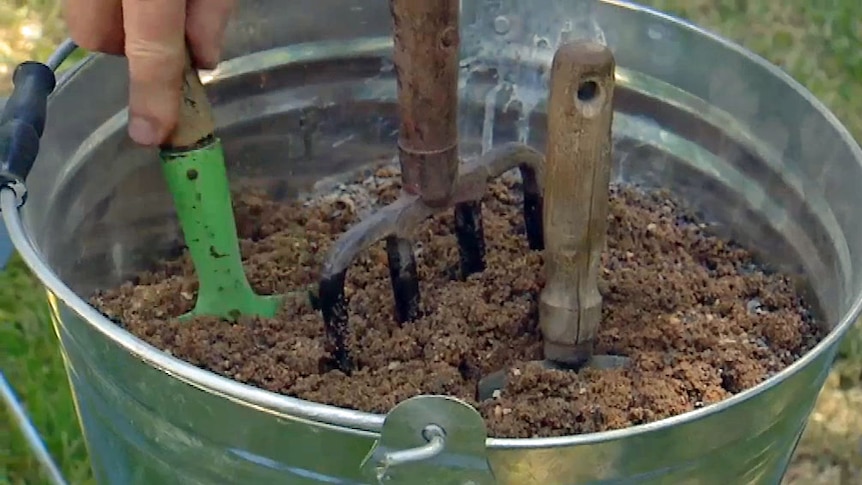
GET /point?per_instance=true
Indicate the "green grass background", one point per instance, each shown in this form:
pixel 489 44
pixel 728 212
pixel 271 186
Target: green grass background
pixel 819 42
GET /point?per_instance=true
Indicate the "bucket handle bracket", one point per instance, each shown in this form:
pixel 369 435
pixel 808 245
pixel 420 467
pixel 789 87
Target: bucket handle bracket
pixel 430 439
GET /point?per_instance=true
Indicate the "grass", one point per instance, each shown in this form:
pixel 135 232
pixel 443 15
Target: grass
pixel 31 361
pixel 818 43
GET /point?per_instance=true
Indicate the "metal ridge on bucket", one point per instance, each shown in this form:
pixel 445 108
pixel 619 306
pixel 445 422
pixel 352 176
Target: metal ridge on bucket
pixel 172 401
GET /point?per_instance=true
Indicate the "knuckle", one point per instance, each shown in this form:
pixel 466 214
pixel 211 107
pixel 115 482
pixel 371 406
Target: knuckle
pixel 153 60
pixel 152 51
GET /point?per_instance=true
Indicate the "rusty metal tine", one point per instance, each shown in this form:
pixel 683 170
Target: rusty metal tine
pixel 387 223
pixel 532 207
pixel 478 172
pixel 470 234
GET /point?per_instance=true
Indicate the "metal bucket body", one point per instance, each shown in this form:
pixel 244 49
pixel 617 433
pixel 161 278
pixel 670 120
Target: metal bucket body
pixel 306 94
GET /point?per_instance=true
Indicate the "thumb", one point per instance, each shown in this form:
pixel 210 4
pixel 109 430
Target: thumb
pixel 156 50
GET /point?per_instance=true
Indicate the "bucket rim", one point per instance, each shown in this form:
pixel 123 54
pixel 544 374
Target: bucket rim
pixel 359 421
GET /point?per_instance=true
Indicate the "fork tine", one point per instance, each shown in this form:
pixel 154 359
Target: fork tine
pixel 532 207
pixel 385 224
pixel 405 281
pixel 333 306
pixel 470 233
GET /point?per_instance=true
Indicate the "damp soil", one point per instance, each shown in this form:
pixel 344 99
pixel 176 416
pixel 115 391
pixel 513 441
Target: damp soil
pixel 699 317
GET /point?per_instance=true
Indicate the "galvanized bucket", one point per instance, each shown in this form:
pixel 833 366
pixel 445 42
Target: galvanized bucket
pixel 728 132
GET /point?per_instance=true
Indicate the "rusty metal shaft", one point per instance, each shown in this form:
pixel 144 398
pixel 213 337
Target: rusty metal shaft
pixel 426 43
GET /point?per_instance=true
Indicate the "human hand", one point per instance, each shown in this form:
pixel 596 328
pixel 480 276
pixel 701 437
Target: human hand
pixel 152 34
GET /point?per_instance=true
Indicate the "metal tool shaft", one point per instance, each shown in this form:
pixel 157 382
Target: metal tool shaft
pixel 576 184
pixel 426 42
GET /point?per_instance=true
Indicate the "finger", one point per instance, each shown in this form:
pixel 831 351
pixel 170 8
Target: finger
pixel 205 24
pixel 95 25
pixel 155 46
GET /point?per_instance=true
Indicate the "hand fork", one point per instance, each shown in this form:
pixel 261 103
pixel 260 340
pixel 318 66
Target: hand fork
pixel 426 43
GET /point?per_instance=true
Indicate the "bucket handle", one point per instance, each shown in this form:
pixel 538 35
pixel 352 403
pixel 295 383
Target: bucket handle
pixel 22 122
pixel 436 437
pixel 30 433
pixel 22 119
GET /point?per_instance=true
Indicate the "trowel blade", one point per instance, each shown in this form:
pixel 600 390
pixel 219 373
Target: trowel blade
pixel 495 381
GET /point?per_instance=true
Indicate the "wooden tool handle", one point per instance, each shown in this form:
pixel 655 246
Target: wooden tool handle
pixel 425 55
pixel 575 210
pixel 195 122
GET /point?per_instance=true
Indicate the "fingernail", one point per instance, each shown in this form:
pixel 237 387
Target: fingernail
pixel 209 64
pixel 143 132
pixel 211 59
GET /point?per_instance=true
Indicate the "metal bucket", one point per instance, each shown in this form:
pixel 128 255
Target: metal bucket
pixel 306 94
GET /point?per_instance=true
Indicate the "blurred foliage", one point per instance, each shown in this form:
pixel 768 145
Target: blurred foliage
pixel 29 30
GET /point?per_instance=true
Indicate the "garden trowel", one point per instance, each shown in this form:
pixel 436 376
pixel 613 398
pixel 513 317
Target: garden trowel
pixel 194 168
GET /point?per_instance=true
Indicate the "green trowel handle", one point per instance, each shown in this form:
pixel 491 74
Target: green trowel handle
pixel 195 171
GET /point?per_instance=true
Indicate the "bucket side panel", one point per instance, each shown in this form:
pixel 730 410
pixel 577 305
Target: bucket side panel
pixel 747 444
pixel 144 426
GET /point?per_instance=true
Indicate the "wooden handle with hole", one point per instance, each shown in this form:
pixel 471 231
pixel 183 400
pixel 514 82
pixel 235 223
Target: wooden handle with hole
pixel 575 202
pixel 195 121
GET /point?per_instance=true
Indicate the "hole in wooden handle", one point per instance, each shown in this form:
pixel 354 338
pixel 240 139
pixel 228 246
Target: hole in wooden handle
pixel 589 98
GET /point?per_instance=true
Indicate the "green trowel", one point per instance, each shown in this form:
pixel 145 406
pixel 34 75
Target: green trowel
pixel 195 171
